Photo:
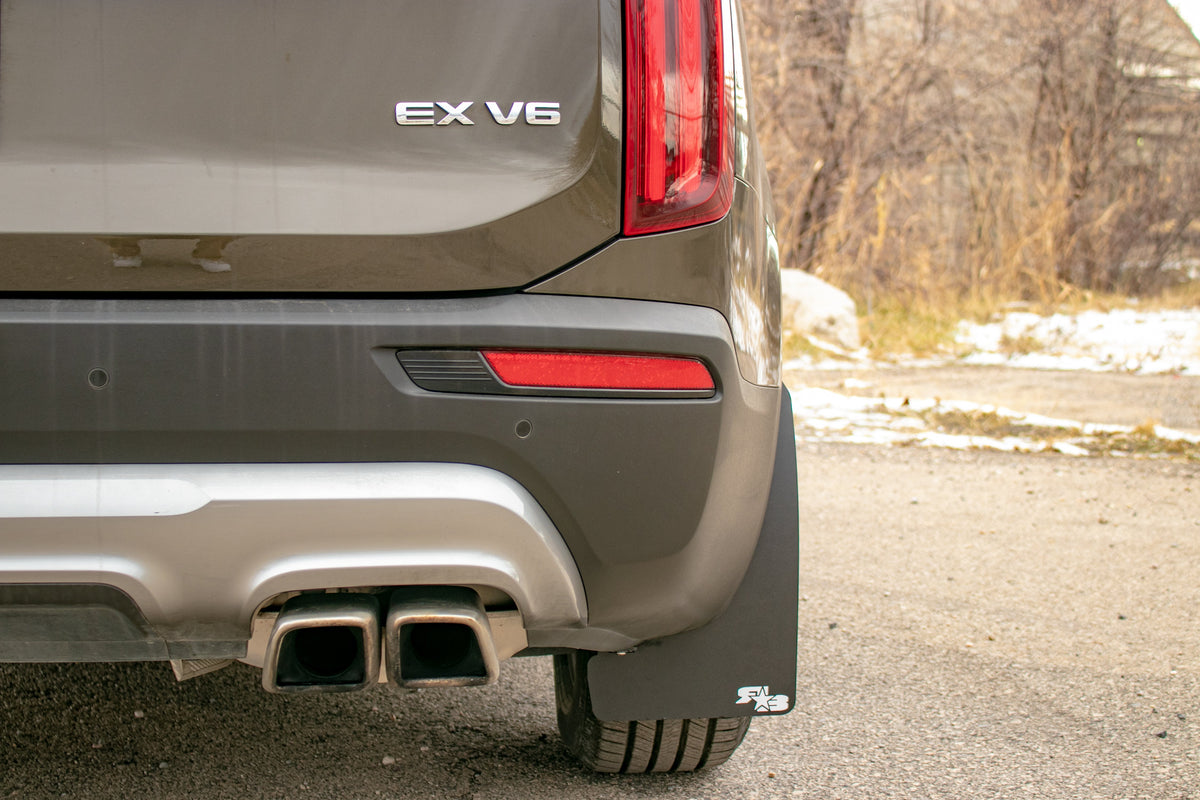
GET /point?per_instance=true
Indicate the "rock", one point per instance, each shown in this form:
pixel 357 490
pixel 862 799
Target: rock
pixel 812 307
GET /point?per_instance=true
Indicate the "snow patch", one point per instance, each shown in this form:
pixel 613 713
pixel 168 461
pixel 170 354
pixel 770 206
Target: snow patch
pixel 1125 340
pixel 830 416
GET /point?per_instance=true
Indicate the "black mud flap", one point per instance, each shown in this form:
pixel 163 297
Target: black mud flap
pixel 741 664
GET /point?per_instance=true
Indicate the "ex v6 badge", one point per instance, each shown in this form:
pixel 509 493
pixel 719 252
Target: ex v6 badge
pixel 441 112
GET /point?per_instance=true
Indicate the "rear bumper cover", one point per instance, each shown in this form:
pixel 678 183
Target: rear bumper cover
pixel 657 501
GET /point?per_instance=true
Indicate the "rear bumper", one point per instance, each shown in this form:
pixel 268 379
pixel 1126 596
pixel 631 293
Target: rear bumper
pixel 280 412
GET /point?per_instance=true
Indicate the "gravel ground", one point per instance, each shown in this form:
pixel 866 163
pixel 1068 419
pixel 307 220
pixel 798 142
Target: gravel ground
pixel 973 624
pixel 1104 397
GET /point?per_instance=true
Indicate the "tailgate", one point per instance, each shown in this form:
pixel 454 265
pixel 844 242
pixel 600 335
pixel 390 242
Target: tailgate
pixel 304 146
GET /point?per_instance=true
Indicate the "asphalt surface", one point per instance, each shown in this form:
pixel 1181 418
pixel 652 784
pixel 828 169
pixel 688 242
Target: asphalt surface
pixel 1108 397
pixel 972 624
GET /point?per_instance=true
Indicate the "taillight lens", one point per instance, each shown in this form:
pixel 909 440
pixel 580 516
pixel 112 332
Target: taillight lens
pixel 679 150
pixel 609 371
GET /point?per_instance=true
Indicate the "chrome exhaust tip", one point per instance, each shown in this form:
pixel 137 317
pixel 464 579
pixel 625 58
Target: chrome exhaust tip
pixel 439 637
pixel 323 643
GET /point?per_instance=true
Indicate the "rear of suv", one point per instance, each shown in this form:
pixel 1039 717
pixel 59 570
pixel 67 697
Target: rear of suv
pixel 384 341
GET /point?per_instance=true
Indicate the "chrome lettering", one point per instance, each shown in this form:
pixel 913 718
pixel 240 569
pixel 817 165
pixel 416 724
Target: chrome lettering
pixel 456 113
pixel 414 113
pixel 426 113
pixel 501 117
pixel 542 113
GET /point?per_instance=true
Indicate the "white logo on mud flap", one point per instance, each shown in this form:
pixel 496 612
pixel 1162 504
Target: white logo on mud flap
pixel 762 698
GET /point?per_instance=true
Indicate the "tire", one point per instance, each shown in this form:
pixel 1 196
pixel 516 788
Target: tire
pixel 662 745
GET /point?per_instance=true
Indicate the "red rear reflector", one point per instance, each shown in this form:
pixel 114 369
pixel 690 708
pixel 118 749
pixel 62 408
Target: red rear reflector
pixel 678 143
pixel 598 371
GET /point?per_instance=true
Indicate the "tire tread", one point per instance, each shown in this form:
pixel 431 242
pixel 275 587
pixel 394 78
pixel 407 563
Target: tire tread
pixel 638 746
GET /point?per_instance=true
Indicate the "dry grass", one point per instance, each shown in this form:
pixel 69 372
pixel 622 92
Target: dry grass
pixel 797 345
pixel 1182 295
pixel 1022 345
pixel 1001 242
pixel 915 270
pixel 982 422
pixel 895 327
pixel 1141 441
pixel 1144 441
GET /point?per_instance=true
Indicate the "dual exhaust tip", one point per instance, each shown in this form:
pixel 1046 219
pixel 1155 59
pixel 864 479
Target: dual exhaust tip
pixel 432 637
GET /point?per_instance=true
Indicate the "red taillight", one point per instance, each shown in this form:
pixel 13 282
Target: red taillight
pixel 532 368
pixel 678 148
